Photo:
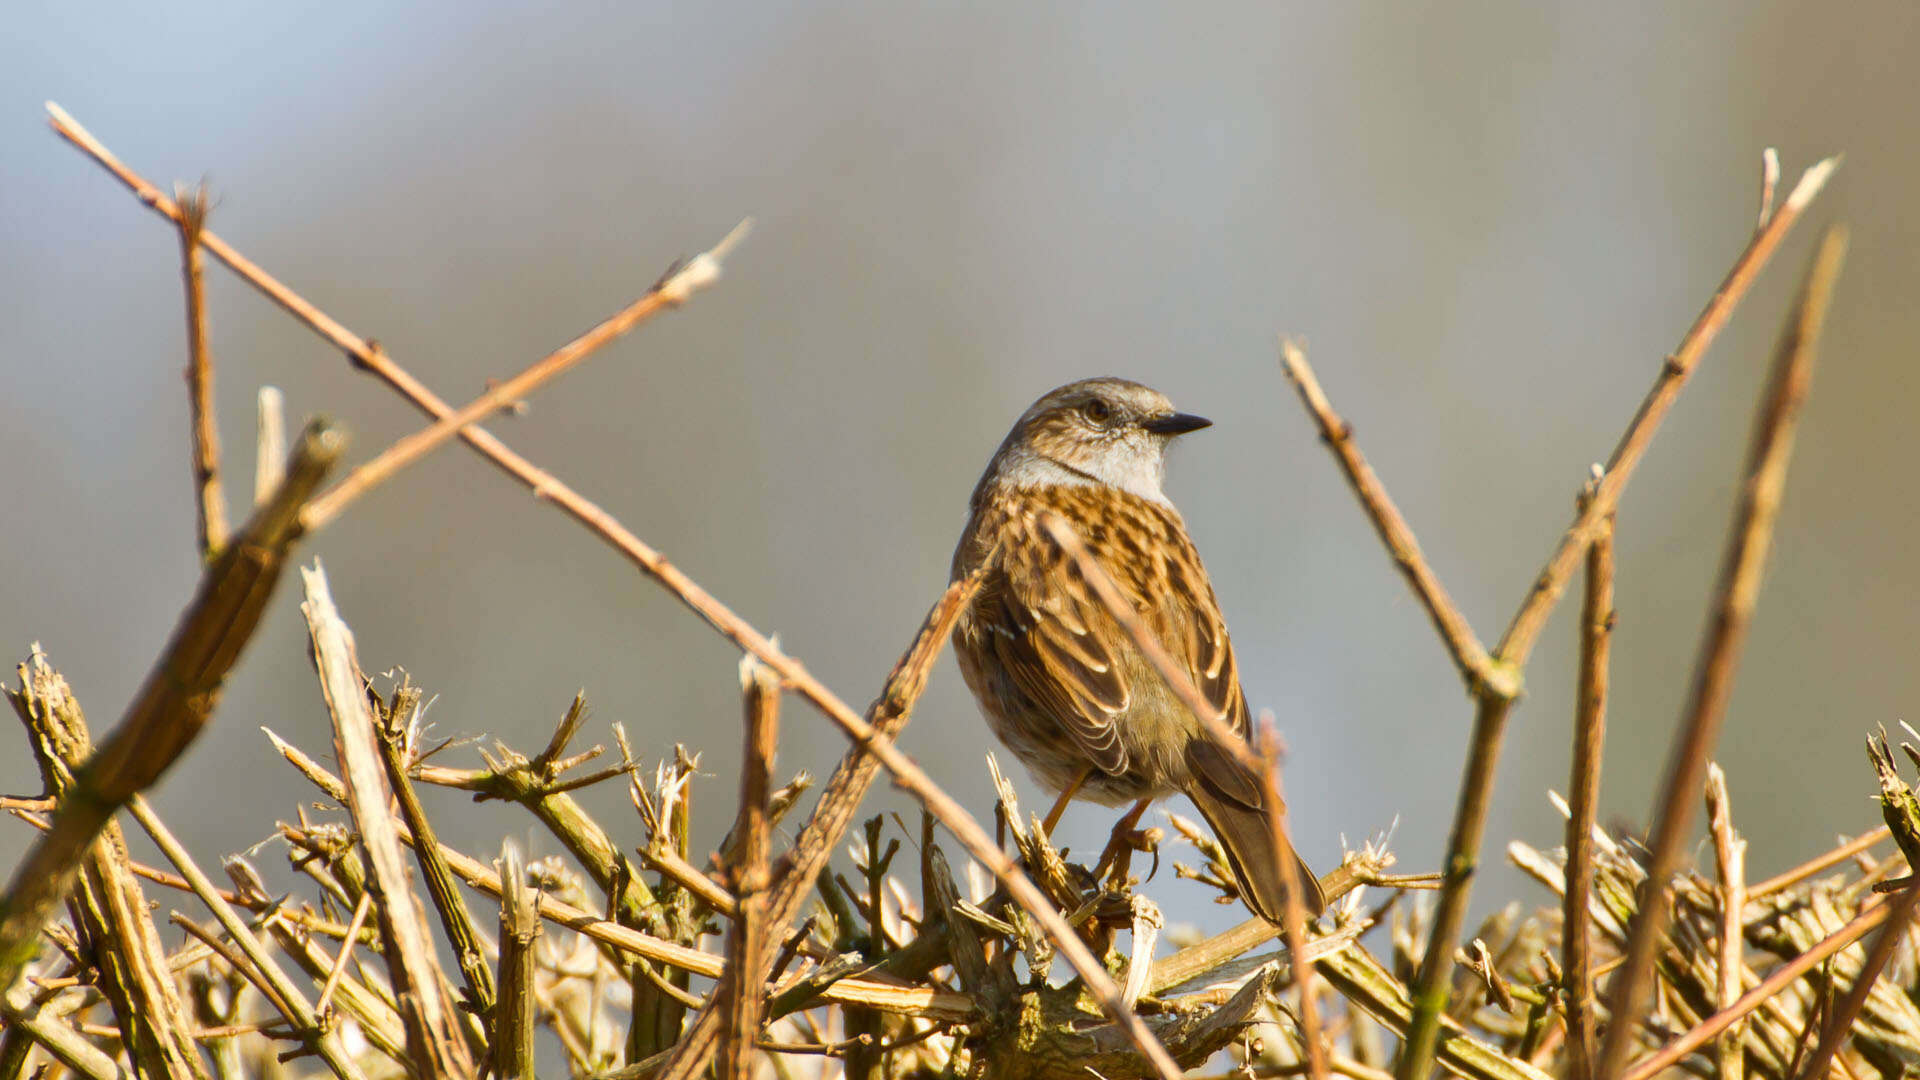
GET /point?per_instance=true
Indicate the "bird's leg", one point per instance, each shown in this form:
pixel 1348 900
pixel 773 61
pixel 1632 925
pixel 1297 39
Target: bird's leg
pixel 1126 840
pixel 1060 804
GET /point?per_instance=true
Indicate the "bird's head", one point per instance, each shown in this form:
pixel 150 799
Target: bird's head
pixel 1096 431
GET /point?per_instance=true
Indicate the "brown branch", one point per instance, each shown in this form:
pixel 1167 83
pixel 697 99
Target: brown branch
pixel 1294 911
pixel 435 1046
pixel 1839 1024
pixel 1527 623
pixel 1777 980
pixel 354 926
pixel 1729 852
pixel 209 501
pixel 392 743
pixel 747 942
pixel 173 704
pixel 239 962
pixel 1476 666
pixel 1590 728
pixel 512 1050
pixel 1789 878
pixel 544 485
pixel 670 292
pixel 1431 991
pixel 1733 606
pixel 689 877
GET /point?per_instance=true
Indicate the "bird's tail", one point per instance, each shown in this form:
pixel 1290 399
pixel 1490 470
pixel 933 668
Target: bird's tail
pixel 1240 824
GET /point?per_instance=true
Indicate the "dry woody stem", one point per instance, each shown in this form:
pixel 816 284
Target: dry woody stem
pixel 1737 595
pixel 1589 739
pixel 209 500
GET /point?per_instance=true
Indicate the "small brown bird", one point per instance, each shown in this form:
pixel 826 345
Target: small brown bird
pixel 1058 678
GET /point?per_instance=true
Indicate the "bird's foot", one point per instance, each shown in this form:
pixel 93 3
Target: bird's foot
pixel 1116 859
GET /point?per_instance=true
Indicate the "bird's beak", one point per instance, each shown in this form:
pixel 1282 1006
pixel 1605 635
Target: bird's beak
pixel 1176 424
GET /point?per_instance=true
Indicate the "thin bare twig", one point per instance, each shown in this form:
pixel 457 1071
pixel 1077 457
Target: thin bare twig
pixel 1729 852
pixel 670 292
pixel 747 944
pixel 208 499
pixel 1590 727
pixel 1735 599
pixel 1476 666
pixel 360 911
pixel 1294 911
pixel 392 741
pixel 435 1045
pixel 1786 879
pixel 691 878
pixel 1431 985
pixel 1527 622
pixel 240 962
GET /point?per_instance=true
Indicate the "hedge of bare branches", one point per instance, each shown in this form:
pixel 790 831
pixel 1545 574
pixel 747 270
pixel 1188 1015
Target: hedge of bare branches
pixel 943 946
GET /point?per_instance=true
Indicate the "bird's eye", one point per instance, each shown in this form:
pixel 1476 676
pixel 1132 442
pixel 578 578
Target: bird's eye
pixel 1098 411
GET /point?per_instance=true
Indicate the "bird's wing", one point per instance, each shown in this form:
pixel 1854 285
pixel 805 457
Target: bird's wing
pixel 1072 658
pixel 1058 650
pixel 1195 631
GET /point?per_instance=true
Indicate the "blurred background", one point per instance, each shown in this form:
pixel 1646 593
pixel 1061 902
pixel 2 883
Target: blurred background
pixel 1490 223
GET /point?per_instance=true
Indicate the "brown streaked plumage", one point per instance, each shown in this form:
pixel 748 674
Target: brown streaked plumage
pixel 1060 682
